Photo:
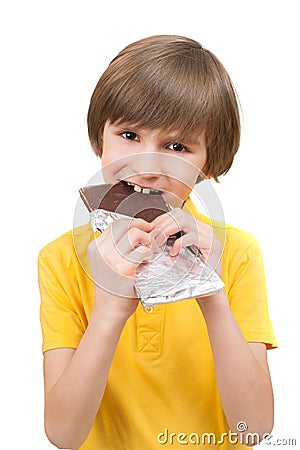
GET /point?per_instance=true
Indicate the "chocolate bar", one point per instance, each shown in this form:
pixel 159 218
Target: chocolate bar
pixel 162 279
pixel 123 199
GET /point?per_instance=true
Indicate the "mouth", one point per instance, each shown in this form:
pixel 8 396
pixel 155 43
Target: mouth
pixel 144 189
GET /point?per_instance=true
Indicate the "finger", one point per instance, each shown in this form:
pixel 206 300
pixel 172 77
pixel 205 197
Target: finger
pixel 175 213
pixel 157 239
pixel 122 259
pixel 174 221
pixel 159 219
pixel 141 224
pixel 119 240
pixel 131 240
pixel 119 228
pixel 163 218
pixel 184 241
pixel 168 225
pixel 122 228
pixel 113 233
pixel 133 260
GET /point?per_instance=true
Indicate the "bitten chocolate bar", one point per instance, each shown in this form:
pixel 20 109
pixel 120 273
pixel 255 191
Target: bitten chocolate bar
pixel 163 279
pixel 123 199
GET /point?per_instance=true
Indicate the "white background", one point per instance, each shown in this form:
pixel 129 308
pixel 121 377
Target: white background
pixel 52 54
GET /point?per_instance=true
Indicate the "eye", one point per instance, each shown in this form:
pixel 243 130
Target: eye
pixel 177 147
pixel 130 135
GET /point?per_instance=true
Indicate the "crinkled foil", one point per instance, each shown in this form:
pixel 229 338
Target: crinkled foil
pixel 166 279
pixel 102 219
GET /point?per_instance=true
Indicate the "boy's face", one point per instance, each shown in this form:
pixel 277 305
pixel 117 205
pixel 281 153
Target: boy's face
pixel 155 159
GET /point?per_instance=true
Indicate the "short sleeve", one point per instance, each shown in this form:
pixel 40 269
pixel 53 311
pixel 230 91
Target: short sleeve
pixel 247 295
pixel 61 325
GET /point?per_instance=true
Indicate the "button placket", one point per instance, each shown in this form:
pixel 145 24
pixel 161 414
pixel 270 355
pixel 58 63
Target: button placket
pixel 149 330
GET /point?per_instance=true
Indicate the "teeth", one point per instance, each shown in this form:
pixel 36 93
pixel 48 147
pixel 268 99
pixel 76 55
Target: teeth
pixel 140 189
pixel 144 190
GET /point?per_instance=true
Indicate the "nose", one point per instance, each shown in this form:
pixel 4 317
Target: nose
pixel 149 163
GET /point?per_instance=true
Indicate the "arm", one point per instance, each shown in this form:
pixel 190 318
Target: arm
pixel 241 368
pixel 242 373
pixel 75 379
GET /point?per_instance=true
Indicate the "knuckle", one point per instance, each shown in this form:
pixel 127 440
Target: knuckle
pixel 132 233
pixel 135 233
pixel 136 222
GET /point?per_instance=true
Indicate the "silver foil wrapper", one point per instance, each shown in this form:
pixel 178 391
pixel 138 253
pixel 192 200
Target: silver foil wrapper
pixel 166 279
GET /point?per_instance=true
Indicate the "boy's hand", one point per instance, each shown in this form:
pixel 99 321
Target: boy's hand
pixel 114 257
pixel 195 233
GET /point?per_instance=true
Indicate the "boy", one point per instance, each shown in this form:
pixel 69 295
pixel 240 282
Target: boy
pixel 191 372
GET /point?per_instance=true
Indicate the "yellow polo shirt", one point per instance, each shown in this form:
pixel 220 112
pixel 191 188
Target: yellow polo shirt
pixel 161 390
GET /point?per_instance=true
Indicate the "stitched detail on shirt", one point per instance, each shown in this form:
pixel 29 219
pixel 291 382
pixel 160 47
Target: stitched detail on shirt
pixel 149 342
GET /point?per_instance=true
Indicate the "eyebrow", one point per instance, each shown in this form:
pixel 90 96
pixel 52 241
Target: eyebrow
pixel 183 139
pixel 176 136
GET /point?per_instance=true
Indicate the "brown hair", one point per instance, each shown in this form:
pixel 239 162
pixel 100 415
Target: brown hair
pixel 170 82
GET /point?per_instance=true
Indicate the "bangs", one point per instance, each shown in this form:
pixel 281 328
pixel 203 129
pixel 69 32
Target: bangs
pixel 168 94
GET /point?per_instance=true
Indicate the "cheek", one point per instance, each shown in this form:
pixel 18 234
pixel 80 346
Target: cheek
pixel 182 170
pixel 183 189
pixel 110 167
pixel 116 166
pixel 200 160
pixel 109 162
pixel 177 193
pixel 107 158
pixel 111 151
